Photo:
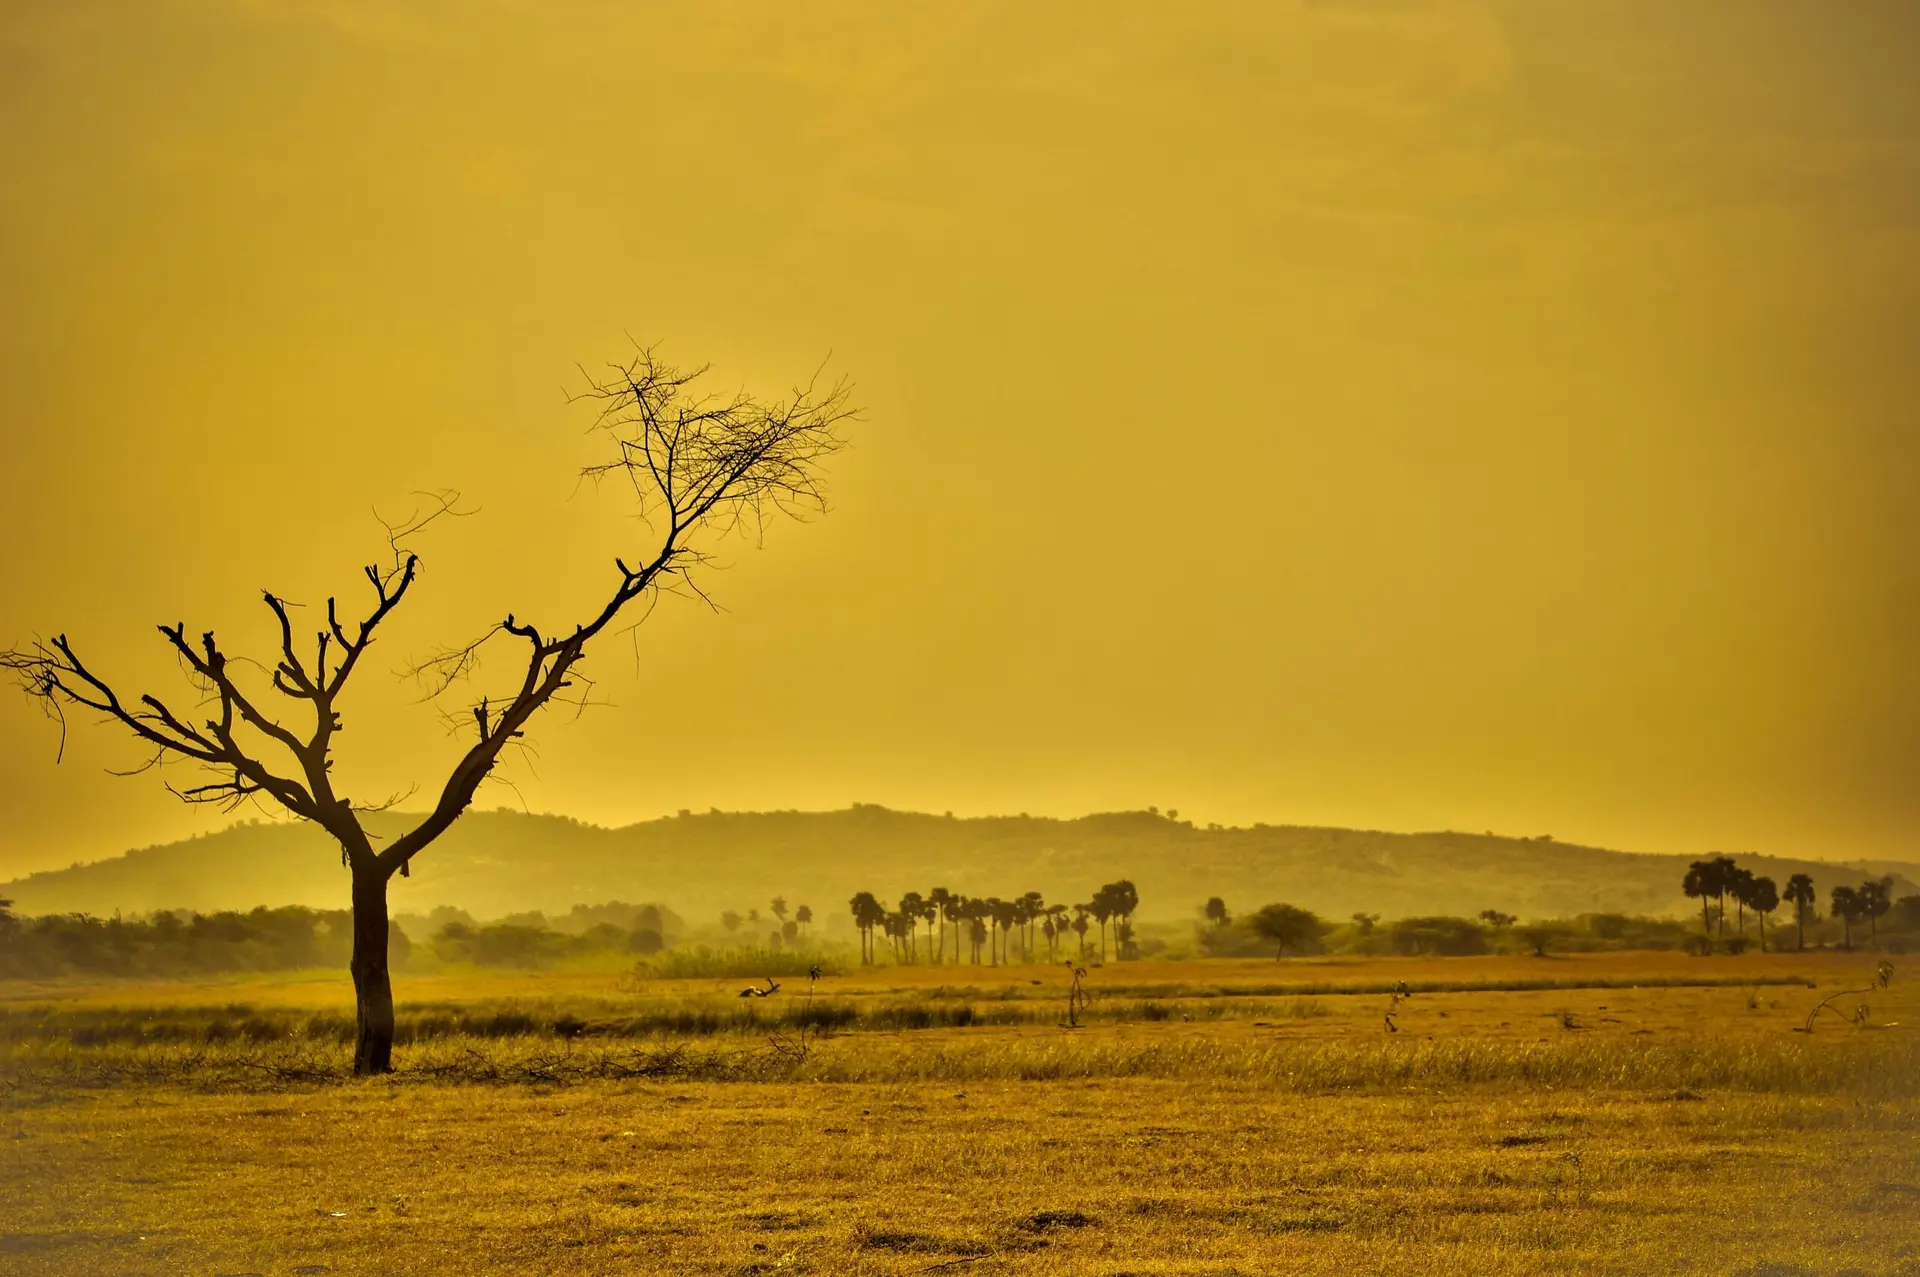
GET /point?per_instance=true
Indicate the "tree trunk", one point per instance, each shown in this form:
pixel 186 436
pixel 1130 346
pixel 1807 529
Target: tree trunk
pixel 372 987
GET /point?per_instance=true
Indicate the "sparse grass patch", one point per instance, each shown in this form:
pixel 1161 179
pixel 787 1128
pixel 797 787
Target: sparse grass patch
pixel 587 1123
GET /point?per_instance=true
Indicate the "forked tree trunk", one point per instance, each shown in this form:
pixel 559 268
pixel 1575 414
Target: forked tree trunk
pixel 372 985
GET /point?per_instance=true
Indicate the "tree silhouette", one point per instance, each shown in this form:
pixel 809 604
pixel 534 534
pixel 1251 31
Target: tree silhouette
pixel 1057 914
pixel 1876 897
pixel 1497 920
pixel 1800 890
pixel 1004 914
pixel 1080 926
pixel 939 899
pixel 1846 906
pixel 911 905
pixel 1125 898
pixel 730 919
pixel 868 913
pixel 1705 880
pixel 1032 907
pixel 1763 897
pixel 804 916
pixel 976 929
pixel 1101 907
pixel 1216 913
pixel 698 465
pixel 1286 926
pixel 1740 887
pixel 953 910
pixel 1366 922
pixel 780 908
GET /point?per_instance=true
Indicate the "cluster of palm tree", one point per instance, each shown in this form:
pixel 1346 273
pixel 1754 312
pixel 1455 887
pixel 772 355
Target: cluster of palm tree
pixel 1718 877
pixel 788 932
pixel 1870 900
pixel 1713 880
pixel 993 924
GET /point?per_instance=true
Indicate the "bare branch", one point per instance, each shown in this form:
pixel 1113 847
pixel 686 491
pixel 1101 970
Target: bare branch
pixel 698 464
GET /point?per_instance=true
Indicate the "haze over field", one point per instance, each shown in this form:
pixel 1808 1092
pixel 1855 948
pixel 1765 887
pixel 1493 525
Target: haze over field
pixel 1385 413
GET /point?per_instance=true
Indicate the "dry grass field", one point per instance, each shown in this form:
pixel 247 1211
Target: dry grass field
pixel 1631 1113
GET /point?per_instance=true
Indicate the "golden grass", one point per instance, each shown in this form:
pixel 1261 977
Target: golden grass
pixel 1671 1128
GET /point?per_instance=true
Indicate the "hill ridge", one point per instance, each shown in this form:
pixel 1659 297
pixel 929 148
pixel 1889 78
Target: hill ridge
pixel 505 861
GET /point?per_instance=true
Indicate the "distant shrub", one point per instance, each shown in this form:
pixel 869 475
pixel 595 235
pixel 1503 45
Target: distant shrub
pixel 1444 936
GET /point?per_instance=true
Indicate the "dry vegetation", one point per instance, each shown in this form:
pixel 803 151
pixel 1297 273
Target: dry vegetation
pixel 1618 1112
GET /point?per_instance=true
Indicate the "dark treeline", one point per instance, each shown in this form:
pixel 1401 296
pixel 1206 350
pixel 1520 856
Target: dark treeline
pixel 282 939
pixel 996 925
pixel 1728 895
pixel 177 944
pixel 1718 880
pixel 1278 930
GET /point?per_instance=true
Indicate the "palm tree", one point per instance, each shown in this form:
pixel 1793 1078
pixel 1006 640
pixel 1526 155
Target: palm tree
pixel 939 899
pixel 1047 933
pixel 1876 897
pixel 804 916
pixel 1035 907
pixel 1800 891
pixel 1101 907
pixel 1726 872
pixel 980 912
pixel 1125 899
pixel 1216 913
pixel 910 906
pixel 1764 897
pixel 1846 907
pixel 1080 928
pixel 1057 914
pixel 1005 913
pixel 1704 880
pixel 954 910
pixel 867 914
pixel 780 908
pixel 1740 887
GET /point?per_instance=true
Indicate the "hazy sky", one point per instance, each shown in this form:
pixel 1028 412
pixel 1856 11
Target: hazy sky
pixel 1377 412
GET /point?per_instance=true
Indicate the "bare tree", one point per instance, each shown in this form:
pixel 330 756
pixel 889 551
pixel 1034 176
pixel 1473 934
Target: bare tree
pixel 699 464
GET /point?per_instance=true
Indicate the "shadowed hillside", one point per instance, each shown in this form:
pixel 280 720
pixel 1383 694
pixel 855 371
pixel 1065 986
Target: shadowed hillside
pixel 499 862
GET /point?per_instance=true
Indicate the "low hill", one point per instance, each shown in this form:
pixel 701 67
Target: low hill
pixel 498 862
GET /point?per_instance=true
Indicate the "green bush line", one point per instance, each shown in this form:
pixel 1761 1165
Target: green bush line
pixel 1868 1066
pixel 244 1024
pixel 1334 988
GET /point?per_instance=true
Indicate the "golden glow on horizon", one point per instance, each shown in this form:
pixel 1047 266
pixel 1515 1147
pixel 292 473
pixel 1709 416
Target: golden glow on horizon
pixel 1377 412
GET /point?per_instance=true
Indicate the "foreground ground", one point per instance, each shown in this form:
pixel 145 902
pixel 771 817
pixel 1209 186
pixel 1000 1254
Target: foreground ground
pixel 1660 1129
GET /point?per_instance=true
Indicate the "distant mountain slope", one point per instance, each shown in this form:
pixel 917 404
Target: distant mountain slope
pixel 498 862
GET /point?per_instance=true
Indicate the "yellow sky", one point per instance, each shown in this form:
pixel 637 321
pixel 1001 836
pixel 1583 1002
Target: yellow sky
pixel 1374 412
